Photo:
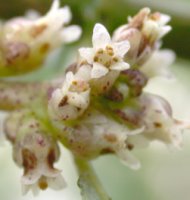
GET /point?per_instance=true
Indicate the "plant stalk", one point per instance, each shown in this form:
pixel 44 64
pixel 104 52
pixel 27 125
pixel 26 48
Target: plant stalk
pixel 90 185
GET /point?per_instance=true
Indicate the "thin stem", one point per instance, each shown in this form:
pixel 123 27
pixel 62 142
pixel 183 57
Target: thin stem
pixel 90 185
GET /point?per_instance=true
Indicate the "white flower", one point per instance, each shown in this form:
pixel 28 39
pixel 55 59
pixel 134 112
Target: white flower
pixel 158 64
pixel 154 26
pixel 159 122
pixel 70 101
pixel 37 30
pixel 97 134
pixel 36 152
pixel 29 39
pixel 144 32
pixel 105 54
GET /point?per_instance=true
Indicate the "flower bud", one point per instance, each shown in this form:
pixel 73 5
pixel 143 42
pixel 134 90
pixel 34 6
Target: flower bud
pixel 143 31
pixel 70 100
pixel 155 114
pixel 97 134
pixel 135 80
pixel 36 151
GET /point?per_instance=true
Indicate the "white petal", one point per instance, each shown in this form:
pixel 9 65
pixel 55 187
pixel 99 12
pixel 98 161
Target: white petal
pixel 71 33
pixel 79 99
pixel 164 30
pixel 118 34
pixel 120 66
pixel 100 36
pixel 164 19
pixel 84 73
pixel 56 183
pixel 66 13
pixel 98 70
pixel 31 178
pixel 69 77
pixel 25 189
pixel 87 54
pixel 158 64
pixel 128 159
pixel 121 48
pixel 55 5
pixel 57 17
pixel 34 188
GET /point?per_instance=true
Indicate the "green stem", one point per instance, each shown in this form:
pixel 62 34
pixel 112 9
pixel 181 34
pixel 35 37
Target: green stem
pixel 91 188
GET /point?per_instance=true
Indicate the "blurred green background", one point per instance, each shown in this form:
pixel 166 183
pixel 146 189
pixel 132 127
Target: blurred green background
pixel 165 173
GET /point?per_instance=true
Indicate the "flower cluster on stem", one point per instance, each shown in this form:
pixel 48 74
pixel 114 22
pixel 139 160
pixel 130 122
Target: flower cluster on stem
pixel 98 106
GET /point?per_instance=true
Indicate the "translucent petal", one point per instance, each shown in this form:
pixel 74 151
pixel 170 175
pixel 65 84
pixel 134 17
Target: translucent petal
pixel 121 48
pixel 56 183
pixel 120 66
pixel 164 31
pixel 98 70
pixel 83 73
pixel 55 5
pixel 128 159
pixel 71 33
pixel 158 64
pixel 100 36
pixel 164 19
pixel 64 12
pixel 79 99
pixel 31 177
pixel 87 54
pixel 69 77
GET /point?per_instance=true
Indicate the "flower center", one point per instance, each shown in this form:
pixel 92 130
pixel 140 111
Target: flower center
pixel 106 56
pixel 79 86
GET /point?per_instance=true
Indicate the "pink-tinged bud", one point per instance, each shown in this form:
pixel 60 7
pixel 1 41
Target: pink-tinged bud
pixel 35 151
pixel 143 31
pixel 135 80
pixel 159 122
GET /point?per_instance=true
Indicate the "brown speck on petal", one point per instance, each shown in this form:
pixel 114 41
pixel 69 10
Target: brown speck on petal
pixel 63 102
pixel 114 95
pixel 106 151
pixel 157 124
pixel 130 146
pixel 29 160
pixel 51 158
pixel 37 30
pixel 137 20
pixel 110 138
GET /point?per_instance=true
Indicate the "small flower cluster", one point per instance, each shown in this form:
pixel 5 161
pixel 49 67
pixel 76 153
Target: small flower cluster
pixel 26 41
pixel 35 150
pixel 100 105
